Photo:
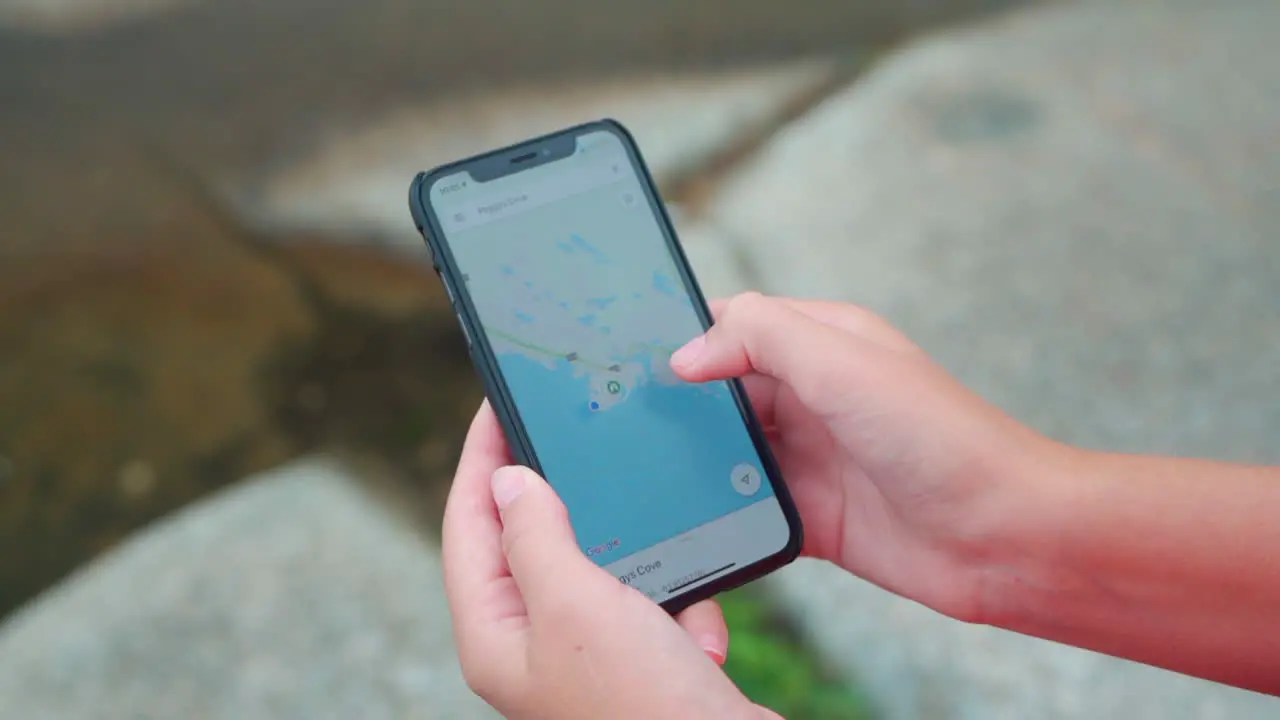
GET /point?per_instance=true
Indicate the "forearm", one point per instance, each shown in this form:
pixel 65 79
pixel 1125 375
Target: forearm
pixel 1174 563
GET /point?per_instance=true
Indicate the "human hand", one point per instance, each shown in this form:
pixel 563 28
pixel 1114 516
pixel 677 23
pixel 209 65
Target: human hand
pixel 543 632
pixel 901 475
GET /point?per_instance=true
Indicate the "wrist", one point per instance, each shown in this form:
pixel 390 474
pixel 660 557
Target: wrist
pixel 1163 561
pixel 1022 556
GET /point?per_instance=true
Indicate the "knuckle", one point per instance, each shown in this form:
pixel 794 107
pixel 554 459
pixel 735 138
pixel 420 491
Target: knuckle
pixel 533 523
pixel 496 683
pixel 554 510
pixel 481 677
pixel 513 538
pixel 878 329
pixel 742 304
pixel 742 309
pixel 747 323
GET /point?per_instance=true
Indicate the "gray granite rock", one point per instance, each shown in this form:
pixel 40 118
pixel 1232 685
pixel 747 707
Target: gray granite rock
pixel 1076 209
pixel 914 663
pixel 64 17
pixel 291 595
pixel 721 265
pixel 355 181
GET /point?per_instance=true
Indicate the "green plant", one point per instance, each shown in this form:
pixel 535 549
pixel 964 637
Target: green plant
pixel 771 665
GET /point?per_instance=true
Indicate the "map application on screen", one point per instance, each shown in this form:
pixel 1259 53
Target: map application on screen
pixel 582 304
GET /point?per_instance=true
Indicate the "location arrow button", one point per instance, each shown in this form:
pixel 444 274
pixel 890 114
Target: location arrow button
pixel 746 479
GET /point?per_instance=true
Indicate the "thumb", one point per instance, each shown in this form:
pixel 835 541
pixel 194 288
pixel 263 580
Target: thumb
pixel 758 334
pixel 538 541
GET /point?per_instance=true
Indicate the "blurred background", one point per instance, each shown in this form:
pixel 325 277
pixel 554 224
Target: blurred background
pixel 232 392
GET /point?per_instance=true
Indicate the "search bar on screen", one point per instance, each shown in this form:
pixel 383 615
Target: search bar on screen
pixel 491 204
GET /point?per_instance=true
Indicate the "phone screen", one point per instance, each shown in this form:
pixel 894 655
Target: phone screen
pixel 581 301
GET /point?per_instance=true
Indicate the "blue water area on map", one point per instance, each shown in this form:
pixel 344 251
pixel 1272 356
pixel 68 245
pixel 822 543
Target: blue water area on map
pixel 645 470
pixel 582 244
pixel 664 284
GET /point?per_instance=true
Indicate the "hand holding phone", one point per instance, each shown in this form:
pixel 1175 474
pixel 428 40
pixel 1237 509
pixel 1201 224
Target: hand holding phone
pixel 904 477
pixel 544 632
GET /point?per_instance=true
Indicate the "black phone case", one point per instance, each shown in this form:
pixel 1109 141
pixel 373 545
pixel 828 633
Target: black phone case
pixel 495 388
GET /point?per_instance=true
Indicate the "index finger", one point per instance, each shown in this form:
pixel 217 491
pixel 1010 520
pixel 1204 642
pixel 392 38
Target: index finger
pixel 842 316
pixel 756 334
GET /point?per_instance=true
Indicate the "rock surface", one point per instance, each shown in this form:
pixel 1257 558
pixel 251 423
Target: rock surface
pixel 136 382
pixel 288 596
pixel 721 265
pixel 63 17
pixel 1075 210
pixel 914 663
pixel 356 183
pixel 118 407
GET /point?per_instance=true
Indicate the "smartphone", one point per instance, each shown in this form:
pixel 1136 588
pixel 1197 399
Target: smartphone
pixel 572 290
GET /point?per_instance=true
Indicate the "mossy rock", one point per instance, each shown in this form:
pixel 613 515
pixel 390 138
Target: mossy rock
pixel 135 384
pixel 129 389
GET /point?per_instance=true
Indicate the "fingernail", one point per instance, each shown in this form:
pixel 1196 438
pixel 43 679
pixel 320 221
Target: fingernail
pixel 688 355
pixel 711 646
pixel 507 483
